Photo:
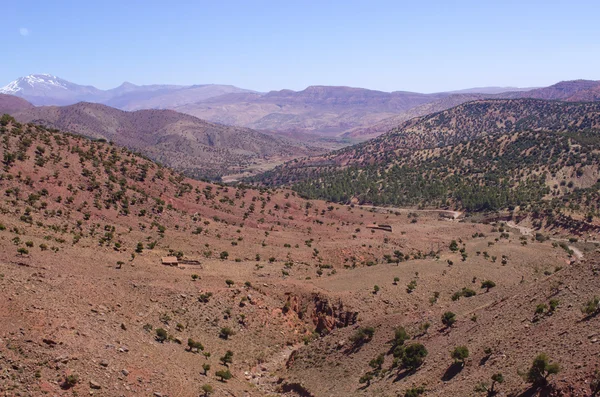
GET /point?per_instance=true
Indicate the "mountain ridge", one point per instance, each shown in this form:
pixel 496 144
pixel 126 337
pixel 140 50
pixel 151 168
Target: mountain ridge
pixel 197 147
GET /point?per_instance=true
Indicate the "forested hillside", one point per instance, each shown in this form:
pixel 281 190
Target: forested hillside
pixel 484 155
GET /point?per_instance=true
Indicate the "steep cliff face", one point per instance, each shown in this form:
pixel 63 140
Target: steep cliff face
pixel 321 311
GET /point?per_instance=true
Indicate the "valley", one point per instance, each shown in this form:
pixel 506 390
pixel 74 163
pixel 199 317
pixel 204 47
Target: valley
pixel 300 199
pixel 287 285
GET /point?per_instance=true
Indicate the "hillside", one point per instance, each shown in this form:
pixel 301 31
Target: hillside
pixel 12 104
pixel 569 91
pixel 482 155
pixel 194 146
pixel 282 282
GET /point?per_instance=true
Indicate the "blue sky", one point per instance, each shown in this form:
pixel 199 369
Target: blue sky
pixel 425 46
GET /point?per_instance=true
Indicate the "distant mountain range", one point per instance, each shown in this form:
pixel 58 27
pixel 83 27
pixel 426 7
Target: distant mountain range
pixel 318 110
pixel 46 89
pixel 325 111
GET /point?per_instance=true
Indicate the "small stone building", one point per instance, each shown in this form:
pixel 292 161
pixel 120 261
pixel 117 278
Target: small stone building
pixel 169 260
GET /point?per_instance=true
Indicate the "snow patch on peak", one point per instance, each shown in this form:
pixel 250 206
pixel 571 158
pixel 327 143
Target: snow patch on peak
pixel 44 81
pixel 11 88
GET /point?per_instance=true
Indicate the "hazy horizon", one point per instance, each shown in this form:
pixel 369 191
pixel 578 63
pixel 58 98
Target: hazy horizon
pixel 387 46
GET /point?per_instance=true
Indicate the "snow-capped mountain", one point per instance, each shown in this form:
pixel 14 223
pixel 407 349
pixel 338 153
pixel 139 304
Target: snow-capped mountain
pixel 46 89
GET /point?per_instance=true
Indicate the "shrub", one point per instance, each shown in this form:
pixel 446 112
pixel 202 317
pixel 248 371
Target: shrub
pixel 229 282
pixel 448 319
pixel 224 255
pixel 541 308
pixel 496 378
pixel 377 362
pixel 227 358
pixel 488 284
pixel 205 297
pixel 415 392
pixel 592 306
pixel 460 354
pixel 161 335
pixel 413 356
pixel 553 303
pixel 192 344
pixel 70 381
pixel 206 368
pixel 224 374
pixel 207 389
pixel 362 335
pixel 453 246
pixel 226 332
pixel 540 370
pixel 366 378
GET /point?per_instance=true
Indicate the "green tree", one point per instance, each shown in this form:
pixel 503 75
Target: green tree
pixel 448 319
pixel 414 355
pixel 227 358
pixel 453 246
pixel 206 368
pixel 460 354
pixel 488 284
pixel 540 370
pixel 496 379
pixel 207 389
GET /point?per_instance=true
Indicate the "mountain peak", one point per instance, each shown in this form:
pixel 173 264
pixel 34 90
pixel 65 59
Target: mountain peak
pixel 43 81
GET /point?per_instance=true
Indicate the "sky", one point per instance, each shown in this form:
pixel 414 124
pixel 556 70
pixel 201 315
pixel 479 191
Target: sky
pixel 424 46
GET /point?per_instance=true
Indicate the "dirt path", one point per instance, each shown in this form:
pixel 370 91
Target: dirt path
pixel 526 231
pixel 455 214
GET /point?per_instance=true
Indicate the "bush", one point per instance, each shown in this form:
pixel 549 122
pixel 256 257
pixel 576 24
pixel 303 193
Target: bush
pixel 227 358
pixel 460 354
pixel 377 362
pixel 540 370
pixel 224 374
pixel 413 356
pixel 207 389
pixel 226 332
pixel 206 368
pixel 453 246
pixel 362 335
pixel 488 284
pixel 70 381
pixel 161 335
pixel 192 344
pixel 224 255
pixel 448 319
pixel 366 378
pixel 592 306
pixel 496 378
pixel 229 282
pixel 415 392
